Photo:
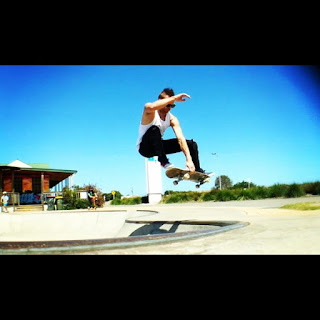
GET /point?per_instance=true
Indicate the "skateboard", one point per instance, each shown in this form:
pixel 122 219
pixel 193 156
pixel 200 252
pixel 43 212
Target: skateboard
pixel 181 174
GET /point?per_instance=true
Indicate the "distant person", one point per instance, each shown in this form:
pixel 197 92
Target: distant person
pixel 92 199
pixel 156 118
pixel 4 201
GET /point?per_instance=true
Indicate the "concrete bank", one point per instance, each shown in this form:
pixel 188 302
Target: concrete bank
pixel 269 230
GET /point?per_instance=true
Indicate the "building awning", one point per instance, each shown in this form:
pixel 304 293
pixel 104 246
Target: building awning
pixel 55 175
pixel 8 168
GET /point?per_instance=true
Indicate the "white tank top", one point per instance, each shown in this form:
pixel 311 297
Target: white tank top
pixel 157 121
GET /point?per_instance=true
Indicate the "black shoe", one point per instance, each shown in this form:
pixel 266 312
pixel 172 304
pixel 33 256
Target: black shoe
pixel 167 165
pixel 205 172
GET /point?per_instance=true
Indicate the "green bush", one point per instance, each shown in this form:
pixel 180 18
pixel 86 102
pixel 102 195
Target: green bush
pixel 316 188
pixel 311 188
pixel 171 199
pixel 209 195
pixel 176 197
pixel 82 203
pixel 109 196
pixel 134 200
pixel 278 190
pixel 182 196
pixel 127 201
pixel 307 187
pixel 225 195
pixel 295 191
pixel 242 194
pixel 194 195
pixel 69 206
pixel 259 192
pixel 116 201
pixel 252 193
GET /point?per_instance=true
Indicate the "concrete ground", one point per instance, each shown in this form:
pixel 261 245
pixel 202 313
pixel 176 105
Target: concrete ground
pixel 271 230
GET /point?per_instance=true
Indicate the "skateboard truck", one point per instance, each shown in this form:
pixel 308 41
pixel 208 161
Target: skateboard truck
pixel 181 177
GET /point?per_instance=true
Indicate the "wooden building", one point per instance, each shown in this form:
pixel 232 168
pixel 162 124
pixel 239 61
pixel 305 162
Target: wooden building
pixel 36 177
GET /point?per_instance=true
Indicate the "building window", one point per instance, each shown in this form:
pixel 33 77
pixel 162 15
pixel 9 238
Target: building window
pixel 18 185
pixel 36 185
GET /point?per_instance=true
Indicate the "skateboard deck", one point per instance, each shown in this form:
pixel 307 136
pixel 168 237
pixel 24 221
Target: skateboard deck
pixel 181 174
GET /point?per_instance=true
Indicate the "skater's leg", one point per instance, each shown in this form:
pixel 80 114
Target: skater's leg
pixel 152 145
pixel 194 152
pixel 172 146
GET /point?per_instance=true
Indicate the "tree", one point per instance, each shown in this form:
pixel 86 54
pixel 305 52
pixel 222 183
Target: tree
pixel 226 182
pixel 109 196
pixel 243 185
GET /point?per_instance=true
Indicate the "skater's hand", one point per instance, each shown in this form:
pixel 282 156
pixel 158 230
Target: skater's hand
pixel 190 166
pixel 181 97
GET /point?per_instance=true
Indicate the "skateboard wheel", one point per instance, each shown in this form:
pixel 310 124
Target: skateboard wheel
pixel 197 186
pixel 175 182
pixel 187 176
pixel 207 180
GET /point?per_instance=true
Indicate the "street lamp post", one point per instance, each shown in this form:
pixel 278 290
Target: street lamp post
pixel 215 154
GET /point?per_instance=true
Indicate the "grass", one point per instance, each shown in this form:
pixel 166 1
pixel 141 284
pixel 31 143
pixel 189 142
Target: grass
pixel 303 206
pixel 127 201
pixel 254 193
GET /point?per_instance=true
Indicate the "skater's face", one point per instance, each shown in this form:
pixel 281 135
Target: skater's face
pixel 168 107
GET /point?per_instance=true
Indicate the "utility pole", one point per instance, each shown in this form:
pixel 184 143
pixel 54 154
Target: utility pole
pixel 215 154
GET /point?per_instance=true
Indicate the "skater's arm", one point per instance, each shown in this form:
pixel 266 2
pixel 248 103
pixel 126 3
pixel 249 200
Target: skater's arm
pixel 182 142
pixel 161 103
pixel 151 107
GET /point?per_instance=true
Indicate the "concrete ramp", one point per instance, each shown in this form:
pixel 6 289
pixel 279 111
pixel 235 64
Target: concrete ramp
pixel 64 225
pixel 71 232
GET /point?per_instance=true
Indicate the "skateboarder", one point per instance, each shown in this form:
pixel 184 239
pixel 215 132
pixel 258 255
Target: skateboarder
pixel 156 118
pixel 92 196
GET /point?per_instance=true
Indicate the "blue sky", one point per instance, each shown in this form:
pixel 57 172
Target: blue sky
pixel 261 120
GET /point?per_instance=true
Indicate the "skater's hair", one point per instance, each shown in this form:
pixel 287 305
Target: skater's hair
pixel 167 91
